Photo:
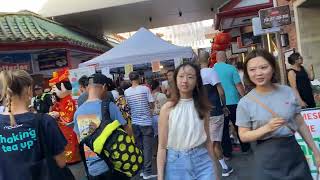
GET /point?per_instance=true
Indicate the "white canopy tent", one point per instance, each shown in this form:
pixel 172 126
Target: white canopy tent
pixel 142 47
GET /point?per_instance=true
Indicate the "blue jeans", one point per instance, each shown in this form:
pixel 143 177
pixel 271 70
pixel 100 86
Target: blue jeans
pixel 194 164
pixel 144 140
pixel 155 120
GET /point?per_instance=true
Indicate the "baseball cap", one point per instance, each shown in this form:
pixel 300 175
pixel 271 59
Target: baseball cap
pixel 37 87
pixel 101 79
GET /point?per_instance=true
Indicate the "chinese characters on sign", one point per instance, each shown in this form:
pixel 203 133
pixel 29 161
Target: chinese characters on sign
pixel 312 119
pixel 275 17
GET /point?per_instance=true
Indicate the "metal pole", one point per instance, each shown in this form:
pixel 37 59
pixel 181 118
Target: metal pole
pixel 282 66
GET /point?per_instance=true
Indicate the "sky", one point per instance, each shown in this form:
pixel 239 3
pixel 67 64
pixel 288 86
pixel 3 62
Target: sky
pixel 17 5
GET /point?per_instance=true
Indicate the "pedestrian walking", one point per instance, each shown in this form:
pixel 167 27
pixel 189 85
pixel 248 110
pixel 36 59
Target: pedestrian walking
pixel 270 115
pixel 217 99
pixel 185 150
pixel 88 117
pixel 233 88
pixel 141 104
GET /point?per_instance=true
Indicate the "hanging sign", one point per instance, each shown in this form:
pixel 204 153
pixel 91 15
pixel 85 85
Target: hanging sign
pixel 275 17
pixel 257 29
pixel 52 60
pixel 155 66
pixel 128 68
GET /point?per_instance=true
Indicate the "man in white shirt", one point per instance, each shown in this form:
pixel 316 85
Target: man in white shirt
pixel 141 105
pixel 217 98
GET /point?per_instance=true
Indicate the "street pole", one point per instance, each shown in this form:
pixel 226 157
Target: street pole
pixel 281 60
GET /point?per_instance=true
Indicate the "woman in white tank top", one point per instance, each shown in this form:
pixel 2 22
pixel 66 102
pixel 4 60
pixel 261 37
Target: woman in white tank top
pixel 184 151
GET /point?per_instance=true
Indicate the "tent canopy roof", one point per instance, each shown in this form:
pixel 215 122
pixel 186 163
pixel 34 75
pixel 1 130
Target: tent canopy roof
pixel 142 47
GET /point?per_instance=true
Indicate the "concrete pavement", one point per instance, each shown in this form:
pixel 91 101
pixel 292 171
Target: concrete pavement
pixel 239 162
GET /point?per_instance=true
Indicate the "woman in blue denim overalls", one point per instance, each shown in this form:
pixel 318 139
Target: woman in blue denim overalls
pixel 185 152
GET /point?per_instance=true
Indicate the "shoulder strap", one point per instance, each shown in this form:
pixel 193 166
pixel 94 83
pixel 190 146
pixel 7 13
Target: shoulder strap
pixel 269 110
pixel 263 105
pixel 44 149
pixel 83 158
pixel 105 114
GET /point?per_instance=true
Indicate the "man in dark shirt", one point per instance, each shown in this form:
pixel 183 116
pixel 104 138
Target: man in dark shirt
pixel 42 102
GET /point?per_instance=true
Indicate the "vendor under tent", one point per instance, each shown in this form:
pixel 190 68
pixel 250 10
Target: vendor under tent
pixel 142 47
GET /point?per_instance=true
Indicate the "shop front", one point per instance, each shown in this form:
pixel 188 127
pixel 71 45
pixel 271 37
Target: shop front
pixel 40 46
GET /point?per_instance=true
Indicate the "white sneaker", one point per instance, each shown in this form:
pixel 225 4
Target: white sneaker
pixel 149 176
pixel 227 172
pixel 141 174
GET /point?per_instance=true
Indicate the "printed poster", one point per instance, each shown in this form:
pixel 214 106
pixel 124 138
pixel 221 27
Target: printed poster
pixel 75 75
pixel 87 124
pixel 312 119
pixel 155 66
pixel 128 68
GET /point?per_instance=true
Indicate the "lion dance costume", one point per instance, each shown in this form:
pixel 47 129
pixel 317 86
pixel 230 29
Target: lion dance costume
pixel 65 108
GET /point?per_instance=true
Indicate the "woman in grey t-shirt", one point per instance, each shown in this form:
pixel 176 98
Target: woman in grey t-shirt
pixel 270 115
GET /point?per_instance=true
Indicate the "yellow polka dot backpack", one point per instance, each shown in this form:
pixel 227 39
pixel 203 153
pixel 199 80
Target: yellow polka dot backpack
pixel 112 144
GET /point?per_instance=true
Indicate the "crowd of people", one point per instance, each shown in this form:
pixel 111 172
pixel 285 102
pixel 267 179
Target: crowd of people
pixel 186 118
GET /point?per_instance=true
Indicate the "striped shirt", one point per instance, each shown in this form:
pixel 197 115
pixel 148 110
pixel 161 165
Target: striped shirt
pixel 138 99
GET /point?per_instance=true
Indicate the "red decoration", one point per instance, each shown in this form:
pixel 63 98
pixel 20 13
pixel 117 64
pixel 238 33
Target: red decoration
pixel 222 38
pixel 66 108
pixel 220 47
pixel 221 42
pixel 61 75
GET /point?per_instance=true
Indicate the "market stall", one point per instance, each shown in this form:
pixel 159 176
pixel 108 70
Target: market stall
pixel 142 47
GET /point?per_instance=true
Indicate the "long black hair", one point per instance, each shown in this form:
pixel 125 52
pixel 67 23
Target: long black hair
pixel 199 94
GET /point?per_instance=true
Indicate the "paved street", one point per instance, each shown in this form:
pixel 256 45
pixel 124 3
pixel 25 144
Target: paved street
pixel 241 166
pixel 240 163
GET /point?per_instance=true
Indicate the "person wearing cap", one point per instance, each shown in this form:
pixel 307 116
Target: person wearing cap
pixel 141 105
pixel 42 102
pixel 83 81
pixel 89 116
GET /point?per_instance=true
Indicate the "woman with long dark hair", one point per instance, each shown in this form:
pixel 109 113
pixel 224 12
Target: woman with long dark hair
pixel 270 115
pixel 185 150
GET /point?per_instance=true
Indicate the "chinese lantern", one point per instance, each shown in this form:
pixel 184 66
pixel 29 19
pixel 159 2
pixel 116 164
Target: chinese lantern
pixel 222 38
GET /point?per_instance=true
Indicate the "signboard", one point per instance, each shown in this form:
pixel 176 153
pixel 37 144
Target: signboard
pixel 128 68
pixel 155 66
pixel 75 75
pixel 248 39
pixel 275 17
pixel 52 60
pixel 236 50
pixel 312 119
pixel 21 61
pixel 257 29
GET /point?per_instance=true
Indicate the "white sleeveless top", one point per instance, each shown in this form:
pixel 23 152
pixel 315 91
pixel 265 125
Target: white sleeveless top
pixel 186 129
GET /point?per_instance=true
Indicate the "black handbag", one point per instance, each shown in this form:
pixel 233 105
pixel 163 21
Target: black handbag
pixel 47 168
